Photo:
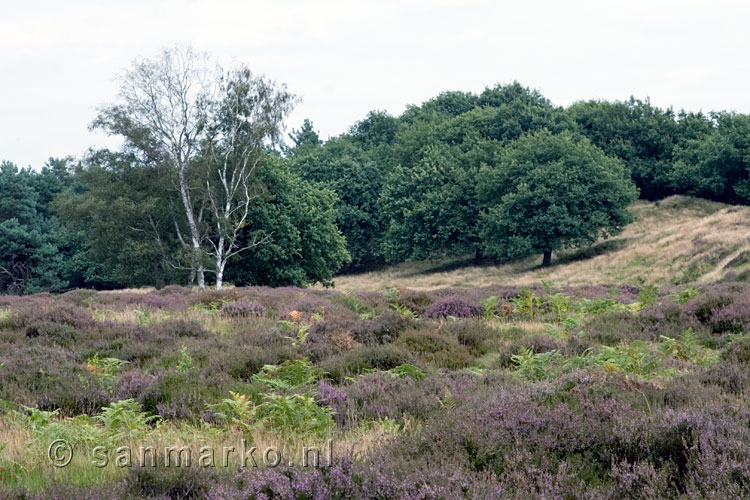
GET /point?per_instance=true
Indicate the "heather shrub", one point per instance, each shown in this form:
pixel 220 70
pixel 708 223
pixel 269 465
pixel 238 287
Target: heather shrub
pixel 309 304
pixel 79 297
pixel 732 378
pixel 610 403
pixel 503 292
pixel 416 301
pixel 167 482
pixel 50 377
pixel 381 329
pixel 166 302
pixel 139 386
pixel 666 318
pixel 737 351
pixel 136 350
pixel 703 306
pixel 182 396
pixel 242 308
pixel 470 333
pixel 336 398
pixel 328 338
pixel 731 318
pixel 58 333
pixel 436 349
pixel 241 361
pixel 213 299
pixel 332 324
pixel 453 306
pixel 174 290
pixel 177 328
pixel 318 347
pixel 381 357
pixel 380 395
pixel 60 313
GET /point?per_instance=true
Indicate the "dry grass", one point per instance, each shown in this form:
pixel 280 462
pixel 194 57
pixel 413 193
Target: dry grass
pixel 679 239
pixel 222 449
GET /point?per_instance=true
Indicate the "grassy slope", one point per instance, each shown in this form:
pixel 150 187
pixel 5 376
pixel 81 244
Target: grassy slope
pixel 677 240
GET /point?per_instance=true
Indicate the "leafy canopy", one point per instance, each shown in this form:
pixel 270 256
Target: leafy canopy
pixel 549 192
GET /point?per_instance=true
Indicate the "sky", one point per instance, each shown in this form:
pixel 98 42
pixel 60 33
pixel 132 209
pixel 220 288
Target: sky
pixel 59 61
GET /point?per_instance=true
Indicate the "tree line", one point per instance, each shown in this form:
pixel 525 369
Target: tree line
pixel 205 191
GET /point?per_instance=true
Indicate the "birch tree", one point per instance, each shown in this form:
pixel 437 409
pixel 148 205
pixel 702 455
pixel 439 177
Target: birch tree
pixel 162 113
pixel 247 117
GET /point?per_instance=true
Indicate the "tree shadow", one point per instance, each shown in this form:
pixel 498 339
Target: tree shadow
pixel 455 265
pixel 595 250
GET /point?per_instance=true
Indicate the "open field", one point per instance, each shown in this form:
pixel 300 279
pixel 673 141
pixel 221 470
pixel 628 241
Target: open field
pixel 676 240
pixel 494 392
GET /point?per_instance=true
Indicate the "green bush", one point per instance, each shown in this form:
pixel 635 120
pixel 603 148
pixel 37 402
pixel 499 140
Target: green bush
pixel 380 357
pixel 434 348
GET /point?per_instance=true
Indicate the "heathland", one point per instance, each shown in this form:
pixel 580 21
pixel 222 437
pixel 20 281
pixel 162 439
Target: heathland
pixel 528 390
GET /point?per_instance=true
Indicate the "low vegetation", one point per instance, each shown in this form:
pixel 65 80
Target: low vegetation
pixel 573 392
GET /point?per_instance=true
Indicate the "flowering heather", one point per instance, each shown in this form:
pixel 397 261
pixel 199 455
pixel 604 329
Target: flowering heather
pixel 426 406
pixel 454 306
pixel 242 308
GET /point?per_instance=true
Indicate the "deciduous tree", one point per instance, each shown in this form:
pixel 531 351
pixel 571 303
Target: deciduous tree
pixel 549 192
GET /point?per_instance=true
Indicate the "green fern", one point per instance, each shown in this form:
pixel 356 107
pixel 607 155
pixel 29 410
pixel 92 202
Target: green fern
pixel 407 370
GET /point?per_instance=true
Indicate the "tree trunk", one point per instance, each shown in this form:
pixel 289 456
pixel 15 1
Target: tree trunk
pixel 547 260
pixel 219 273
pixel 191 278
pixel 195 236
pixel 478 255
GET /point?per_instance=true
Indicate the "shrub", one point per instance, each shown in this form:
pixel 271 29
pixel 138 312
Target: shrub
pixel 242 308
pixel 732 378
pixel 439 350
pixel 703 306
pixel 470 333
pixel 177 328
pixel 453 306
pixel 666 318
pixel 737 351
pixel 62 314
pixel 214 299
pixel 336 398
pixel 79 297
pixel 166 482
pixel 136 385
pixel 415 300
pixel 59 333
pixel 733 317
pixel 382 357
pixel 380 329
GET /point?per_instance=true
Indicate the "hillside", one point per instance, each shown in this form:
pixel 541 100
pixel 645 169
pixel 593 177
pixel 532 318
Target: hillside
pixel 676 240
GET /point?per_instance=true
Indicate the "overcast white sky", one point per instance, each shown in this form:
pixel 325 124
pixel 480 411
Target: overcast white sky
pixel 58 60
